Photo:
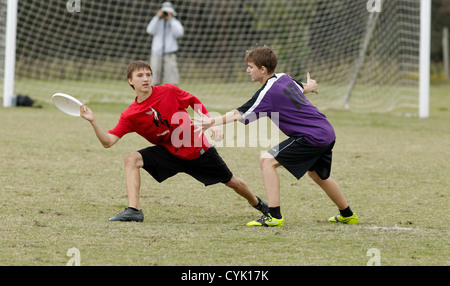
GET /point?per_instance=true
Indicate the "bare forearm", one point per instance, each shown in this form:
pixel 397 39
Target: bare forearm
pixel 228 117
pixel 107 140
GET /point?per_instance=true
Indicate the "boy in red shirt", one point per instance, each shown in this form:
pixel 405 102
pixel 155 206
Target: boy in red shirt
pixel 159 115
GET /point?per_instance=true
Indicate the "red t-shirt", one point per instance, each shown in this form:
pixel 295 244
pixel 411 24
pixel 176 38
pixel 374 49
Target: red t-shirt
pixel 162 119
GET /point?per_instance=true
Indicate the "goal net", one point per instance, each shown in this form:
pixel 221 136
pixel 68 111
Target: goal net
pixel 363 59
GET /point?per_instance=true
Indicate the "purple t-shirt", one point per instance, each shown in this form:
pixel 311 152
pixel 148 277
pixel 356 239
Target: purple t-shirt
pixel 281 98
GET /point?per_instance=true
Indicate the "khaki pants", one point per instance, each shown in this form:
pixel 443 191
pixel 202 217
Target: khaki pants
pixel 170 71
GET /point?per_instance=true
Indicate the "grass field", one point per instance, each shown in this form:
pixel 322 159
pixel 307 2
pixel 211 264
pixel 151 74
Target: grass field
pixel 58 187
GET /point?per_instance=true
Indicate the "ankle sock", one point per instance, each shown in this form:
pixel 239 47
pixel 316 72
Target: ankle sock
pixel 346 212
pixel 275 212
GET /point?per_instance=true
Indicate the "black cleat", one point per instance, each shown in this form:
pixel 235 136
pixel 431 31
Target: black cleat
pixel 129 215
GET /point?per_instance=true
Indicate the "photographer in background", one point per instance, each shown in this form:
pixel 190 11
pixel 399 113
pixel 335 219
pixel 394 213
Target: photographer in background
pixel 166 29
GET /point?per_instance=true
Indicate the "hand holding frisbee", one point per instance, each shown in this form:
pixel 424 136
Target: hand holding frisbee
pixel 67 104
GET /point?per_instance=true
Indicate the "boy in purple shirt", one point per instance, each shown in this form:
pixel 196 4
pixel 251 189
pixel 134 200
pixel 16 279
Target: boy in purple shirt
pixel 309 148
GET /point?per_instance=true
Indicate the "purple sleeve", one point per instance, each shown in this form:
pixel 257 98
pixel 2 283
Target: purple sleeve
pixel 258 106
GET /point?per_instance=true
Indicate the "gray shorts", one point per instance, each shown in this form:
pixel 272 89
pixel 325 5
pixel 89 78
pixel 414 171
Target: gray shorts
pixel 169 74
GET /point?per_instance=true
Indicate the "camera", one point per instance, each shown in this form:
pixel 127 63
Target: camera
pixel 165 14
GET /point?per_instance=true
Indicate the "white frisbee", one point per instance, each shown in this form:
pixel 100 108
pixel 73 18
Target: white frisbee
pixel 67 103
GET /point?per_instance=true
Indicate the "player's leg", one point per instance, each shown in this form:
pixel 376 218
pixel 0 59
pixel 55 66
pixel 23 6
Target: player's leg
pixel 241 188
pixel 320 174
pixel 268 166
pixel 331 188
pixel 210 169
pixel 133 162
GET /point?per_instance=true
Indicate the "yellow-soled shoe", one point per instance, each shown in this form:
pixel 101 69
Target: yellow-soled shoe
pixel 267 221
pixel 347 220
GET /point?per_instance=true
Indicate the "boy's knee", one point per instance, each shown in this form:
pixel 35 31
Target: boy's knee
pixel 133 160
pixel 267 160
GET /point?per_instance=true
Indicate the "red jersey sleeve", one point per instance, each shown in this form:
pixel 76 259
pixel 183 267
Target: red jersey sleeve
pixel 121 128
pixel 185 99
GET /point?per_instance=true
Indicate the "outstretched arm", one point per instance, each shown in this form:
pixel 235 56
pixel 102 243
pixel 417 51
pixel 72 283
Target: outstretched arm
pixel 228 117
pixel 106 139
pixel 205 122
pixel 216 133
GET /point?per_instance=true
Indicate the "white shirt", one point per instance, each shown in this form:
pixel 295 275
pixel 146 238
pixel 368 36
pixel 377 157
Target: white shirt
pixel 174 30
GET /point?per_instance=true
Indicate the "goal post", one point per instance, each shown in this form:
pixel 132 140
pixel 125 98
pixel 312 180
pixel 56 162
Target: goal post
pixel 10 54
pixel 425 48
pixel 367 55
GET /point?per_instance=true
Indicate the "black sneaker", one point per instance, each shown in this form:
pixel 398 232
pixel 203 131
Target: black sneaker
pixel 262 206
pixel 129 215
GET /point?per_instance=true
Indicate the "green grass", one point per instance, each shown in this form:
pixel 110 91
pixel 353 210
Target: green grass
pixel 58 187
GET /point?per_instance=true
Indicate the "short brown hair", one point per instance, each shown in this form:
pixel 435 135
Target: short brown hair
pixel 262 56
pixel 137 65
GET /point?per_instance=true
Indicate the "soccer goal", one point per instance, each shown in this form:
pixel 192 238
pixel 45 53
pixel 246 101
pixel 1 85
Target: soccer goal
pixel 367 55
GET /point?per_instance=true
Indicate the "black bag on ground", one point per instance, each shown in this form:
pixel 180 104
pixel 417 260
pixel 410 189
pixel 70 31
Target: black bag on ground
pixel 24 100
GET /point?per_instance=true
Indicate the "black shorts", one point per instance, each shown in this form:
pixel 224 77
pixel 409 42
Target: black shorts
pixel 209 168
pixel 299 156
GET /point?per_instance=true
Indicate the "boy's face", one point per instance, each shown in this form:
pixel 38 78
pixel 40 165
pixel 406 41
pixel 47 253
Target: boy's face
pixel 141 80
pixel 255 73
